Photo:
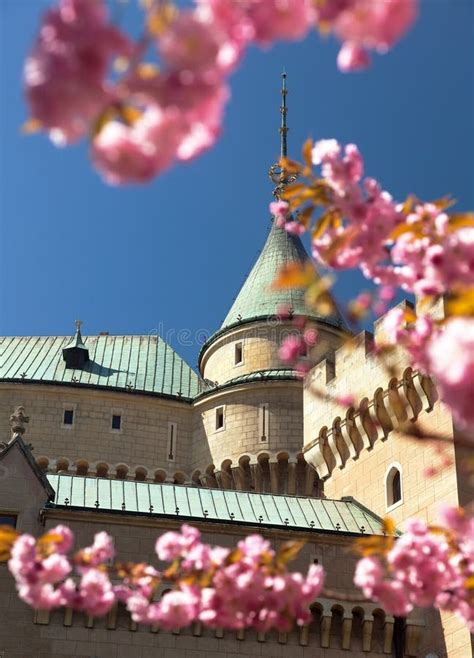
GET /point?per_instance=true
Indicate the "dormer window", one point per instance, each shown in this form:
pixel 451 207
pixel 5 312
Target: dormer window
pixel 238 354
pixel 76 354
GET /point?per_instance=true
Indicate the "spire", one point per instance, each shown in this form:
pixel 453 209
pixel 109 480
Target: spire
pixel 258 300
pixel 277 174
pixel 76 354
pixel 284 112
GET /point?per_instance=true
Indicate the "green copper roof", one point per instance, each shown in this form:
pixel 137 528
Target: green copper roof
pixel 257 299
pixel 278 374
pixel 144 364
pixel 200 504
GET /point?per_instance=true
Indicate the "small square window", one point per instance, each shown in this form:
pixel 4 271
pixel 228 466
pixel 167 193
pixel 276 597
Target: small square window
pixel 116 421
pixel 8 519
pixel 239 354
pixel 219 418
pixel 68 418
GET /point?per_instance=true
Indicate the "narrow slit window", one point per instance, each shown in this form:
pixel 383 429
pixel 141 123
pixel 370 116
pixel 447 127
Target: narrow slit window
pixel 172 437
pixel 220 418
pixel 68 417
pixel 393 486
pixel 396 487
pixel 116 422
pixel 239 353
pixel 264 422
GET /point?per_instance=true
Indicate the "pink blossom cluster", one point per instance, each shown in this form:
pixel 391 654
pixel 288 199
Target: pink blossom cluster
pixel 364 26
pixel 243 591
pixel 425 568
pixel 283 219
pixel 296 347
pixel 451 361
pixel 43 576
pixel 445 352
pixel 248 587
pixel 414 337
pixel 66 71
pixel 369 212
pixel 147 119
pixel 433 258
pixel 414 246
pixel 427 257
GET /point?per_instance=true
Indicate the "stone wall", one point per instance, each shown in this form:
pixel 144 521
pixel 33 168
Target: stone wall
pixel 260 344
pixel 141 442
pixel 338 629
pixel 354 449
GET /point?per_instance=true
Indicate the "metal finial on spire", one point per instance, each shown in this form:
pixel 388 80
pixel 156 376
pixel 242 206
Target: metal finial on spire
pixel 78 325
pixel 284 112
pixel 277 173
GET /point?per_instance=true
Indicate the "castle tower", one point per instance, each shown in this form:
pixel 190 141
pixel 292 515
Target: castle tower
pixel 252 416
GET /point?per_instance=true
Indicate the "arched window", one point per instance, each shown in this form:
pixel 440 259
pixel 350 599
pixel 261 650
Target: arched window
pixel 396 487
pixel 393 486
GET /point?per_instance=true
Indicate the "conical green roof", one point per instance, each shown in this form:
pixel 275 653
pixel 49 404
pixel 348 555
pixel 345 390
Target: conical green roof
pixel 257 298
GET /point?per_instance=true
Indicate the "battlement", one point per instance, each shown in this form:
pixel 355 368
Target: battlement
pixel 386 393
pixel 359 352
pixel 335 625
pixel 373 419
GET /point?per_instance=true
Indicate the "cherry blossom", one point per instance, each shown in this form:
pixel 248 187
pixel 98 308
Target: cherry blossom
pixel 138 152
pixel 292 348
pixel 246 588
pixel 190 44
pixel 352 57
pixel 38 577
pixel 279 209
pixel 281 19
pixel 65 72
pixel 424 568
pixel 451 361
pixel 71 93
pixel 364 25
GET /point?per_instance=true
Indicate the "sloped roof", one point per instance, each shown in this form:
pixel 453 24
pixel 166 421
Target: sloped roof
pixel 18 442
pixel 145 364
pixel 216 505
pixel 259 376
pixel 258 299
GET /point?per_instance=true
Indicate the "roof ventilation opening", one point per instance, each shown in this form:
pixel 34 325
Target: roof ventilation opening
pixel 76 354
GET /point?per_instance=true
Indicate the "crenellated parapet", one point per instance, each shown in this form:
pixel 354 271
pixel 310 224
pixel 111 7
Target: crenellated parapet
pixel 360 629
pixel 279 472
pixel 386 393
pixel 372 420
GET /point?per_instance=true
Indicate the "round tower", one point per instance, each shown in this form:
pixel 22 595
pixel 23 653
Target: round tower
pixel 251 415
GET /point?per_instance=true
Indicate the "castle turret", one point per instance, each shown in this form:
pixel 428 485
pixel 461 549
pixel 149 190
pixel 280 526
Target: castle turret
pixel 252 414
pixel 251 334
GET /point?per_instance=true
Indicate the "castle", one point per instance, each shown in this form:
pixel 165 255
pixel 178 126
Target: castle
pixel 129 439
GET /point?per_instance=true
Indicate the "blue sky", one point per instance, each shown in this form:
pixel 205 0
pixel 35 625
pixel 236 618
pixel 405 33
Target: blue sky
pixel 173 254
